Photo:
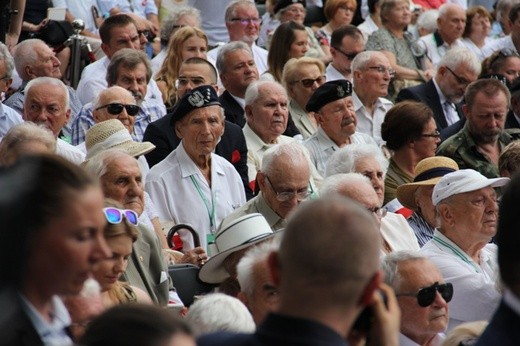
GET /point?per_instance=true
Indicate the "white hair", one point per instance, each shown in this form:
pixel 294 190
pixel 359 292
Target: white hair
pixel 458 56
pixel 253 90
pixel 428 20
pixel 97 164
pixel 50 81
pixel 293 152
pixel 96 103
pixel 390 265
pixel 344 160
pixel 219 312
pixel 334 184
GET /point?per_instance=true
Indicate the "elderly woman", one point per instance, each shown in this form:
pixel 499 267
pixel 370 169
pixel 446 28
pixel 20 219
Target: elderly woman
pixel 411 135
pixel 476 33
pixel 338 13
pixel 192 184
pixel 411 66
pixel 23 139
pixel 57 244
pixel 301 77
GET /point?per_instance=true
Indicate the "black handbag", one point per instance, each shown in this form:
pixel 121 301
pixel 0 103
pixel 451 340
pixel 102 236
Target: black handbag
pixel 55 32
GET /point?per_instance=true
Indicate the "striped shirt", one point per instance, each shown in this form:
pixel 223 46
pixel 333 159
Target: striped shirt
pixel 422 229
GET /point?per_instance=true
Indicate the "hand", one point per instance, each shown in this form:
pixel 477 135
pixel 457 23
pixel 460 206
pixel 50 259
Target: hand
pixel 429 74
pixel 387 319
pixel 195 256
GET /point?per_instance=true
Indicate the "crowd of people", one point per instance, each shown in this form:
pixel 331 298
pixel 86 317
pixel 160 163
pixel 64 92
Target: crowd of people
pixel 338 172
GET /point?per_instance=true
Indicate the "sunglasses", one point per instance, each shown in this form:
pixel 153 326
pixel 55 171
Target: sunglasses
pixel 349 56
pixel 426 296
pixel 309 82
pixel 115 215
pixel 117 108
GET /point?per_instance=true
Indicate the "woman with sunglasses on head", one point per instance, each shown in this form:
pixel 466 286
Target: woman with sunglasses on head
pixel 505 62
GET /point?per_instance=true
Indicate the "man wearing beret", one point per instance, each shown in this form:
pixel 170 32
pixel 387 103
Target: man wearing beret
pixel 333 108
pixel 192 184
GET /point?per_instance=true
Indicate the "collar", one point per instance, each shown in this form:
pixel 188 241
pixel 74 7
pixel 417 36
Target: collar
pixel 270 215
pixel 503 138
pixel 189 168
pixel 254 142
pixel 446 245
pixel 325 140
pixel 239 100
pixel 359 105
pixel 442 98
pixel 437 38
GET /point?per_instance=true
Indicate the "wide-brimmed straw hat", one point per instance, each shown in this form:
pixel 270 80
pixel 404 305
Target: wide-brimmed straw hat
pixel 112 134
pixel 428 173
pixel 233 236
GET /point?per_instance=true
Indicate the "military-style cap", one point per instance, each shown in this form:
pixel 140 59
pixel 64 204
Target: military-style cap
pixel 203 96
pixel 281 4
pixel 327 93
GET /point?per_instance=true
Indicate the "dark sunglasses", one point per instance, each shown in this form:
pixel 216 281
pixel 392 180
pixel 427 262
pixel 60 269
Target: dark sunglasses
pixel 308 82
pixel 115 215
pixel 117 108
pixel 349 56
pixel 426 296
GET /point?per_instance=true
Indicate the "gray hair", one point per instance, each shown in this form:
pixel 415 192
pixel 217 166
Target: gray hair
pixel 219 312
pixel 230 9
pixel 97 165
pixel 293 152
pixel 428 20
pixel 50 81
pixel 8 58
pixel 361 61
pixel 253 90
pixel 390 265
pixel 229 48
pixel 96 103
pixel 344 160
pixel 25 55
pixel 444 9
pixel 24 133
pixel 334 184
pixel 168 25
pixel 128 58
pixel 255 255
pixel 458 56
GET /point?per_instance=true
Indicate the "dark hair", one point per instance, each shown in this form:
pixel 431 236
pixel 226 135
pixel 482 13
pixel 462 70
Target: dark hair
pixel 345 30
pixel 200 61
pixel 114 22
pixel 514 13
pixel 279 49
pixel 404 122
pixel 134 324
pixel 128 58
pixel 489 87
pixel 372 6
pixel 34 191
pixel 496 61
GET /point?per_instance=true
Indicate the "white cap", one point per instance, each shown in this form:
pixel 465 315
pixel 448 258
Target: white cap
pixel 464 180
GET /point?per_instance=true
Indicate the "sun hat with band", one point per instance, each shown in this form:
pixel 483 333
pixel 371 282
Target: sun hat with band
pixel 231 237
pixel 428 173
pixel 112 134
pixel 464 180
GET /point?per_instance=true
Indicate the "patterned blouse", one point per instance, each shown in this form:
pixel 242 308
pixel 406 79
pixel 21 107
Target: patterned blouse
pixel 383 39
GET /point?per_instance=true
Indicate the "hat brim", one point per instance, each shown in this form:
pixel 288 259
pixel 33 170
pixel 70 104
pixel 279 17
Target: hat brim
pixel 406 192
pixel 477 185
pixel 131 148
pixel 213 271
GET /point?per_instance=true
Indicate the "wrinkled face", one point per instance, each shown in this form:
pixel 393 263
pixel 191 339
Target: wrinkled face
pixel 294 12
pixel 115 96
pixel 338 119
pixel 192 76
pixel 123 182
pixel 122 37
pixel 475 214
pixel 298 91
pixel 344 14
pixel 240 71
pixel 267 115
pixel 426 145
pixel 109 270
pixel 400 14
pixel 349 46
pixel 423 199
pixel 365 195
pixel 133 80
pixel 420 323
pixel 487 116
pixel 370 168
pixel 46 65
pixel 247 32
pixel 480 25
pixel 452 25
pixel 299 46
pixel 265 298
pixel 45 104
pixel 371 81
pixel 453 83
pixel 510 68
pixel 65 251
pixel 201 130
pixel 194 47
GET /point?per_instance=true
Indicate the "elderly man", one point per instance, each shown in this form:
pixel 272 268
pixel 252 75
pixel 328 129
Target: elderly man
pixel 8 116
pixel 322 294
pixel 283 182
pixel 116 32
pixel 450 27
pixel 466 206
pixel 193 184
pixel 444 93
pixel 243 24
pixel 333 108
pixel 130 69
pixel 423 297
pixel 370 87
pixel 47 102
pixel 345 43
pixel 480 142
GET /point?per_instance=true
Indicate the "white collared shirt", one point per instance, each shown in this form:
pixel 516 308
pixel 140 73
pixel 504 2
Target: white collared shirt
pixel 450 113
pixel 499 44
pixel 69 152
pixel 368 27
pixel 259 55
pixel 333 74
pixel 370 124
pixel 434 52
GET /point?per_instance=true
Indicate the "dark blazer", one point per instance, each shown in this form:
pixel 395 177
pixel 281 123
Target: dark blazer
pixel 232 110
pixel 232 146
pixel 502 329
pixel 427 93
pixel 511 121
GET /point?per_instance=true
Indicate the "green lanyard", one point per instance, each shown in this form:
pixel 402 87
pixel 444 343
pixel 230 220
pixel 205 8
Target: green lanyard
pixel 456 252
pixel 211 213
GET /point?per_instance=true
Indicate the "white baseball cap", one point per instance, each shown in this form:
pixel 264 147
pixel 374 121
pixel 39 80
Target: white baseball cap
pixel 464 180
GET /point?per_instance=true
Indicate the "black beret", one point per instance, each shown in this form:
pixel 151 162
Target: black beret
pixel 200 97
pixel 327 93
pixel 281 4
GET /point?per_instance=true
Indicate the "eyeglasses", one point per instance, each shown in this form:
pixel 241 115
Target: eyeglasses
pixel 349 56
pixel 347 9
pixel 379 212
pixel 460 80
pixel 146 33
pixel 245 21
pixel 426 296
pixel 436 134
pixel 115 215
pixel 309 82
pixel 178 26
pixel 184 81
pixel 285 196
pixel 117 108
pixel 383 69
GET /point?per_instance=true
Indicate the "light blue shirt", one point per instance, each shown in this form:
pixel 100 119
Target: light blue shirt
pixel 8 118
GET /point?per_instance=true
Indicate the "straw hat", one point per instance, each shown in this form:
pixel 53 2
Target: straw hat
pixel 233 236
pixel 428 173
pixel 112 134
